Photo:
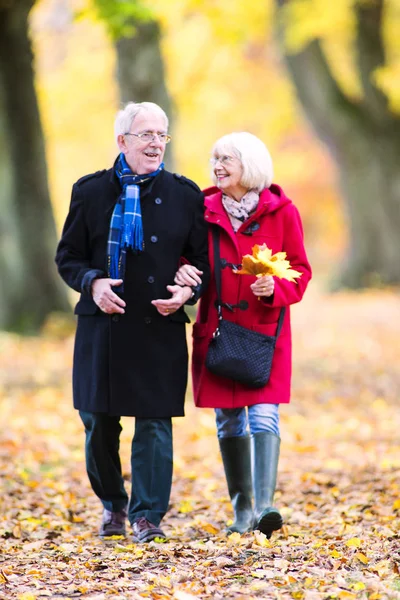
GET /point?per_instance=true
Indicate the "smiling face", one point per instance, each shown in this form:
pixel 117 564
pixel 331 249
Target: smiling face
pixel 144 157
pixel 228 173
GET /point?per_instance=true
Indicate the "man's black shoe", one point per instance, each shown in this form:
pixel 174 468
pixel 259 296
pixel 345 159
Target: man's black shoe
pixel 113 523
pixel 144 531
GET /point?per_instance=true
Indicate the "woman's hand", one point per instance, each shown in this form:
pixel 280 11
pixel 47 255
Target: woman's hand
pixel 188 275
pixel 263 286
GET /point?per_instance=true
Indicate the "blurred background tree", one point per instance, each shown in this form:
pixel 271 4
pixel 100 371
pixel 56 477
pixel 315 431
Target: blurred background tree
pixel 356 115
pixel 29 286
pixel 140 71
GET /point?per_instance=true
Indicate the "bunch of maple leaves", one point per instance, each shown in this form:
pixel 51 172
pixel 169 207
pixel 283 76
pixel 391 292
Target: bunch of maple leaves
pixel 263 262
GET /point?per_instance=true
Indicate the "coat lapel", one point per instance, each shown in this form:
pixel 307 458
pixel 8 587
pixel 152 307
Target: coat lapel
pixel 113 193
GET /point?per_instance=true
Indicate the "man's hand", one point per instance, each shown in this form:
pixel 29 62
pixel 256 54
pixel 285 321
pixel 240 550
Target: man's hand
pixel 180 295
pixel 188 275
pixel 105 298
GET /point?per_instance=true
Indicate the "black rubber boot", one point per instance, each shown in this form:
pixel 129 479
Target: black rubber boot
pixel 236 456
pixel 265 457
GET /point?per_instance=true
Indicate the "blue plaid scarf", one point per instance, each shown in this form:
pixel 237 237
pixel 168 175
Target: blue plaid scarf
pixel 126 229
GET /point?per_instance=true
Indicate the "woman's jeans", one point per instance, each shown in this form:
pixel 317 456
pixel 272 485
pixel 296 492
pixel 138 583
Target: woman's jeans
pixel 233 422
pixel 151 464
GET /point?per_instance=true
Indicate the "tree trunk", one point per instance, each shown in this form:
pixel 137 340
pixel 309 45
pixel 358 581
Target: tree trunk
pixel 30 288
pixel 370 179
pixel 364 139
pixel 141 76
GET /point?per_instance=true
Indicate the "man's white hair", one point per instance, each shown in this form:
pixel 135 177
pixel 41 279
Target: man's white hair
pixel 252 153
pixel 126 116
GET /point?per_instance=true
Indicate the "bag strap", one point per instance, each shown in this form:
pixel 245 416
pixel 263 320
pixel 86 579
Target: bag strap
pixel 217 268
pixel 280 321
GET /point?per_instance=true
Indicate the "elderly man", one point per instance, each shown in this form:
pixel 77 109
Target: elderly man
pixel 127 231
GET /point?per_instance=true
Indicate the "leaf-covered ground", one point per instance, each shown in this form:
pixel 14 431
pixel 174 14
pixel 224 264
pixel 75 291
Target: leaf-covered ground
pixel 338 484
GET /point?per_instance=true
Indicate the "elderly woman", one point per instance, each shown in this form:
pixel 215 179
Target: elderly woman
pixel 248 209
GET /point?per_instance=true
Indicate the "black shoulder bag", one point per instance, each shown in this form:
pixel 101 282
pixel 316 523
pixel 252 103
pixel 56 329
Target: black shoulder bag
pixel 236 352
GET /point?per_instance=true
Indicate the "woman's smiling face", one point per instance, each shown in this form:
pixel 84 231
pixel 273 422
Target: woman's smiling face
pixel 228 172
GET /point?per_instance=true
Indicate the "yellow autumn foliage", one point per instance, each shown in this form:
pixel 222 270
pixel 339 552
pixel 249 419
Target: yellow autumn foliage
pixel 263 262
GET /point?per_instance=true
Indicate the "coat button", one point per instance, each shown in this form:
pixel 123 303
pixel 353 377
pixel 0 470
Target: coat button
pixel 147 320
pixel 115 318
pixel 154 239
pixel 150 279
pixel 158 200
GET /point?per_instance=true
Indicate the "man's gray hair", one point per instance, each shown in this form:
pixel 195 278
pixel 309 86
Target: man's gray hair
pixel 126 116
pixel 254 156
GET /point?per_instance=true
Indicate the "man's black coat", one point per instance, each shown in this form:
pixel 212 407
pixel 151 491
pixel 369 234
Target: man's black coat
pixel 133 364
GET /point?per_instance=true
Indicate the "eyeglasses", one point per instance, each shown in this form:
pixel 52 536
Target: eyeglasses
pixel 224 160
pixel 150 136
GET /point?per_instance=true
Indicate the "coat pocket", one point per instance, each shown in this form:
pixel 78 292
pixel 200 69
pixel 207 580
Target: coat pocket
pixel 86 306
pixel 179 317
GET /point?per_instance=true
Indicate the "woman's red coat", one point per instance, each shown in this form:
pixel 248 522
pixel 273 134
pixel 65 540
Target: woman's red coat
pixel 280 229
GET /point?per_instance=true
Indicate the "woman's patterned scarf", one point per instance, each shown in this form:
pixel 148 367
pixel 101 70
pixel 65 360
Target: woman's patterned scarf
pixel 239 212
pixel 126 228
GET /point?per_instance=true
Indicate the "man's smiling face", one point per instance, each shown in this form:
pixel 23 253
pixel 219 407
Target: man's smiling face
pixel 144 156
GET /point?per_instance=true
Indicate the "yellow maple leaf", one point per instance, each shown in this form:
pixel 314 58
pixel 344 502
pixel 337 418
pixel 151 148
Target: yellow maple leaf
pixel 3 578
pixel 234 538
pixel 263 262
pixel 261 539
pixel 32 572
pixel 359 586
pixel 209 528
pixel 362 558
pixel 185 507
pixel 355 542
